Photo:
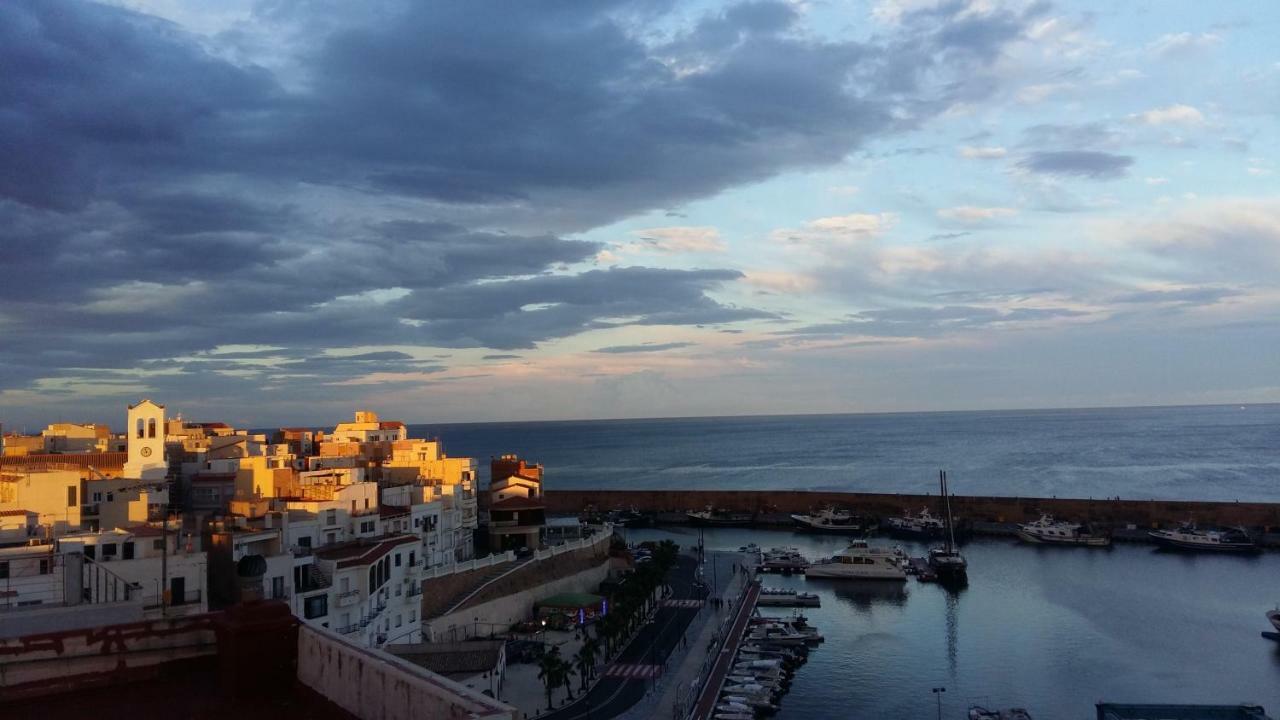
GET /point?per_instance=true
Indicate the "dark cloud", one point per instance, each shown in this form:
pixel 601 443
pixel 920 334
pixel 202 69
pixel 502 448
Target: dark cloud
pixel 500 357
pixel 645 348
pixel 403 174
pixel 1080 163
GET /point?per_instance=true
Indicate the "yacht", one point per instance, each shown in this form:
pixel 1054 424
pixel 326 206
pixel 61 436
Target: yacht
pixel 860 561
pixel 921 525
pixel 782 559
pixel 830 520
pixel 977 712
pixel 946 562
pixel 1189 537
pixel 721 517
pixel 1047 531
pixel 785 597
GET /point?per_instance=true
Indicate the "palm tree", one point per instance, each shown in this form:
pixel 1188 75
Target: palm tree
pixel 549 672
pixel 585 661
pixel 566 678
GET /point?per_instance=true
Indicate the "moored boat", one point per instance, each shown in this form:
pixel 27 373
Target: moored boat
pixel 946 562
pixel 1047 531
pixel 977 712
pixel 1189 537
pixel 860 561
pixel 923 524
pixel 831 520
pixel 721 517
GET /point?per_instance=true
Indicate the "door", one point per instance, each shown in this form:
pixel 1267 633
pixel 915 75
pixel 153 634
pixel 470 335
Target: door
pixel 177 590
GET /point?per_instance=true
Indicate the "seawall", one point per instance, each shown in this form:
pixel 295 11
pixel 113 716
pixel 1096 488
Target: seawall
pixel 775 505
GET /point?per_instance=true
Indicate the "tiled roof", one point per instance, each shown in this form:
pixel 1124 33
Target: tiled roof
pixel 109 460
pixel 385 510
pixel 364 553
pixel 9 513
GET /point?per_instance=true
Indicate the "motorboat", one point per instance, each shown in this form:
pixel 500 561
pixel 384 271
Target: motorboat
pixel 1189 537
pixel 720 517
pixel 830 520
pixel 1047 531
pixel 923 524
pixel 977 712
pixel 782 559
pixel 784 597
pixel 860 561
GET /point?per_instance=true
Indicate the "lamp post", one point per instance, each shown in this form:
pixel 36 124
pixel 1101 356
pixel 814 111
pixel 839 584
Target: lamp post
pixel 937 694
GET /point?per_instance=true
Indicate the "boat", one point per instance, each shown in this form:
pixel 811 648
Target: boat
pixel 1047 531
pixel 630 518
pixel 946 562
pixel 830 520
pixel 783 597
pixel 977 712
pixel 1188 537
pixel 860 561
pixel 923 524
pixel 782 559
pixel 720 517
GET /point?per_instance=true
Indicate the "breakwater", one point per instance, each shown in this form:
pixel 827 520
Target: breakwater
pixel 776 505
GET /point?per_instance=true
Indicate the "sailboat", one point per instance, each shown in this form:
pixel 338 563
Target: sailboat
pixel 946 561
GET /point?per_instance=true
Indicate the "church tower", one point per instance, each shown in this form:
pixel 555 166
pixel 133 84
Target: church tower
pixel 146 430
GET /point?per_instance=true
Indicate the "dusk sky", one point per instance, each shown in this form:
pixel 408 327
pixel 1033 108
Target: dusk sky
pixel 275 212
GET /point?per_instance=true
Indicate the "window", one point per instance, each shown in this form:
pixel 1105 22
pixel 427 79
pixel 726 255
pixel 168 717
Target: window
pixel 366 503
pixel 139 427
pixel 126 551
pixel 97 497
pixel 277 587
pixel 412 560
pixel 108 550
pixel 4 570
pixel 330 517
pixel 413 615
pixel 314 607
pixel 397 559
pixel 304 541
pixel 151 428
pixel 44 567
pixel 111 497
pixel 71 496
pixel 91 551
pixel 397 619
pixel 158 544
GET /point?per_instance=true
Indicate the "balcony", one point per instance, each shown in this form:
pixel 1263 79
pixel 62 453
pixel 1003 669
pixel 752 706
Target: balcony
pixel 347 629
pixel 348 598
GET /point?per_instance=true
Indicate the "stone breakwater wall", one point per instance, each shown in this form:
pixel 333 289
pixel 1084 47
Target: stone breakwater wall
pixel 774 506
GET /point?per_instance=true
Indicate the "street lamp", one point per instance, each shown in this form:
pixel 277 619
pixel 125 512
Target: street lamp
pixel 937 693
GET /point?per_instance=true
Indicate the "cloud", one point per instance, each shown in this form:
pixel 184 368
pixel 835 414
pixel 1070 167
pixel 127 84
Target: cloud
pixel 1080 163
pixel 932 321
pixel 1156 180
pixel 844 190
pixel 970 214
pixel 1171 115
pixel 645 348
pixel 1183 44
pixel 500 357
pixel 681 239
pixel 780 281
pixel 982 153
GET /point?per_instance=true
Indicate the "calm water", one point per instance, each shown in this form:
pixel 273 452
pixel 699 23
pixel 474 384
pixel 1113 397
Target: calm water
pixel 1203 453
pixel 1050 629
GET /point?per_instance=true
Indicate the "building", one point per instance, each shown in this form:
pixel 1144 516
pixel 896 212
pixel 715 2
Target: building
pixel 370 591
pixel 517 514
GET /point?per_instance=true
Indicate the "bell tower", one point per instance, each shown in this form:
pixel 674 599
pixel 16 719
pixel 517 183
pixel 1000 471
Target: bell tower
pixel 146 430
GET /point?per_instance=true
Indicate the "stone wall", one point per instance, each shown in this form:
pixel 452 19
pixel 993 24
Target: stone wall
pixel 1144 513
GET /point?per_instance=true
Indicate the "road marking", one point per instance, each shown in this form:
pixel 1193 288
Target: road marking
pixel 683 603
pixel 633 671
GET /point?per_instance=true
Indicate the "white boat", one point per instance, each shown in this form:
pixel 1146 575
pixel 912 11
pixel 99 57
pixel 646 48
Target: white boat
pixel 830 520
pixel 1189 537
pixel 782 559
pixel 946 562
pixel 922 524
pixel 783 597
pixel 1048 531
pixel 977 712
pixel 860 561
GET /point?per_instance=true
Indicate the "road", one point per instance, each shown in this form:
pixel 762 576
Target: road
pixel 651 646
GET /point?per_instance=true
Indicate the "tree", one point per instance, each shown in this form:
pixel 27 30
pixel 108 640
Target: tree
pixel 551 672
pixel 585 660
pixel 566 678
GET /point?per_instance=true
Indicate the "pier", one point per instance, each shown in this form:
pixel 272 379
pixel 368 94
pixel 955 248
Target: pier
pixel 710 694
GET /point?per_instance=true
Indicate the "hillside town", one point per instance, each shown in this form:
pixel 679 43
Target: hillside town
pixel 150 522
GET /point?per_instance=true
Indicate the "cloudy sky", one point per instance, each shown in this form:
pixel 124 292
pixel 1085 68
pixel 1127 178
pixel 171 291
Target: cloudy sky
pixel 275 211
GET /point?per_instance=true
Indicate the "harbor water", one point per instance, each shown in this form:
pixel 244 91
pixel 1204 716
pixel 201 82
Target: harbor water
pixel 1177 453
pixel 1051 629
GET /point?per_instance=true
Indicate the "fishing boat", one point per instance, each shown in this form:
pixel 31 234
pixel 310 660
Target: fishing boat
pixel 946 562
pixel 720 517
pixel 923 524
pixel 1047 531
pixel 1189 537
pixel 860 561
pixel 830 520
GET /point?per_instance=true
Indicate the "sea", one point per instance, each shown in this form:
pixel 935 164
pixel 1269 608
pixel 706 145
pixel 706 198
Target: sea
pixel 1215 452
pixel 1049 629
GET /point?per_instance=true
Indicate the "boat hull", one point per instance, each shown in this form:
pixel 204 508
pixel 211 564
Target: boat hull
pixel 1079 540
pixel 807 525
pixel 886 575
pixel 703 521
pixel 1183 545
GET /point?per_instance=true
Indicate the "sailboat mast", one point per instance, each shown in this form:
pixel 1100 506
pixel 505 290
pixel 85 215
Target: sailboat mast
pixel 951 528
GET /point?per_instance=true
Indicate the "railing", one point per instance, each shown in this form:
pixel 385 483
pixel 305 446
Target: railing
pixel 414 591
pixel 101 585
pixel 348 629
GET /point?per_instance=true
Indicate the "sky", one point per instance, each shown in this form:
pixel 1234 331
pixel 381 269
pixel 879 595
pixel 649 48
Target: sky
pixel 274 212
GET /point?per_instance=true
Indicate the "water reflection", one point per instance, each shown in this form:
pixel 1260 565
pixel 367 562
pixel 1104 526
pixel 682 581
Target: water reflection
pixel 864 594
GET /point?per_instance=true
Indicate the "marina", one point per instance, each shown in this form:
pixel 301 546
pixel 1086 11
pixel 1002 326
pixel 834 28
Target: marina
pixel 1049 630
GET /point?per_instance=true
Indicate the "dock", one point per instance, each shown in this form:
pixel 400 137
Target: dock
pixel 704 709
pixel 920 568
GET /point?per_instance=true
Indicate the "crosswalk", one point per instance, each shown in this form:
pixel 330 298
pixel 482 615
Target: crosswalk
pixel 633 671
pixel 682 603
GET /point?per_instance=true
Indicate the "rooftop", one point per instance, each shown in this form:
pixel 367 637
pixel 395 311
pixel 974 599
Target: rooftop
pixel 517 503
pixel 364 552
pixel 456 658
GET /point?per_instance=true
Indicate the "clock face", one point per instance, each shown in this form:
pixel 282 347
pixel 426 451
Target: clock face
pixel 146 452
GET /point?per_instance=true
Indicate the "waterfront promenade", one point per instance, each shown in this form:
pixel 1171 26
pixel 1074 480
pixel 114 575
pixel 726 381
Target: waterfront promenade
pixel 710 693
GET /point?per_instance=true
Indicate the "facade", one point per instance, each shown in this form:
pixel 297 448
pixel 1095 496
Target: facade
pixel 373 593
pixel 516 511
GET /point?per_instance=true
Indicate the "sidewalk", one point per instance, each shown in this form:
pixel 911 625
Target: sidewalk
pixel 685 669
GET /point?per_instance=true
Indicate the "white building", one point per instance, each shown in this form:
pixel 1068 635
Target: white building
pixel 370 591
